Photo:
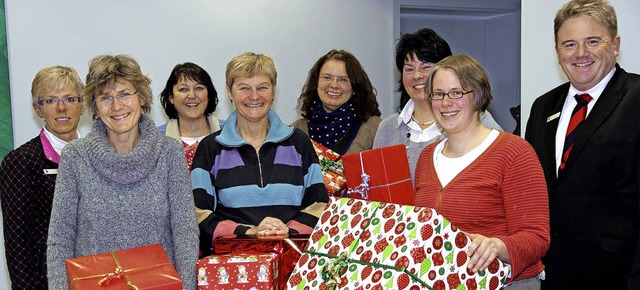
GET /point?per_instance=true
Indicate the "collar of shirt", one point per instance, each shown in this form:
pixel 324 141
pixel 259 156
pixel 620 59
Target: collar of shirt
pixel 594 92
pixel 417 134
pixel 52 145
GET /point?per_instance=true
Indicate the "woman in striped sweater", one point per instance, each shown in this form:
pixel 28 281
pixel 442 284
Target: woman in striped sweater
pixel 488 183
pixel 257 175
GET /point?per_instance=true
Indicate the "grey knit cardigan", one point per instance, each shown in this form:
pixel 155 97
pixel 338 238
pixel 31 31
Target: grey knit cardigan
pixel 105 201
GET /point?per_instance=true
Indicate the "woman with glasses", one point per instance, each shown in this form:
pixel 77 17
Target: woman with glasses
pixel 124 185
pixel 257 175
pixel 415 125
pixel 28 175
pixel 338 104
pixel 189 100
pixel 488 183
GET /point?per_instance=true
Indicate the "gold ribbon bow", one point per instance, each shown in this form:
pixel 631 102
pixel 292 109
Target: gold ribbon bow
pixel 333 269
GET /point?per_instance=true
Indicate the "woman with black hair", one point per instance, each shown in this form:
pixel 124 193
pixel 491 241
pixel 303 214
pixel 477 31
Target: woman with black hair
pixel 189 99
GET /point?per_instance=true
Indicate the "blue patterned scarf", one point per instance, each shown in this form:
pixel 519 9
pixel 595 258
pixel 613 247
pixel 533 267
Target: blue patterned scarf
pixel 335 130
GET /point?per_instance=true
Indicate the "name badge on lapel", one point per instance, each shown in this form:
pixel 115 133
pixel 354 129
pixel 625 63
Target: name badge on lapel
pixel 553 117
pixel 50 171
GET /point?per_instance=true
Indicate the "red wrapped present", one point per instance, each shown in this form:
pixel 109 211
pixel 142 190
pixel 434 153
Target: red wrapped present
pixel 361 244
pixel 288 249
pixel 145 267
pixel 380 174
pixel 242 271
pixel 332 170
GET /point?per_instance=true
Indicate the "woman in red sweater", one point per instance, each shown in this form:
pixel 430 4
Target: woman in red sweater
pixel 488 183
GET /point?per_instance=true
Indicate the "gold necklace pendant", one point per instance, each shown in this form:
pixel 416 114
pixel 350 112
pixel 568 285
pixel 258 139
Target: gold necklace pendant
pixel 422 124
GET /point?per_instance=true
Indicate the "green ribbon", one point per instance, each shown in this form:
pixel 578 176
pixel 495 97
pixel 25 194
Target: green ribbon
pixel 377 265
pixel 333 269
pixel 330 165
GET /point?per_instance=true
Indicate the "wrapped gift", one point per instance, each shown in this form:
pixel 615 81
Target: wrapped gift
pixel 361 244
pixel 145 267
pixel 241 271
pixel 332 170
pixel 380 174
pixel 288 249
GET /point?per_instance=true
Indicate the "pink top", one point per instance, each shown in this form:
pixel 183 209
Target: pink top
pixel 48 149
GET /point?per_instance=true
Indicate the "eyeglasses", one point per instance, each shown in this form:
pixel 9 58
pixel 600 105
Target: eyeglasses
pixel 329 78
pixel 124 97
pixel 452 95
pixel 53 102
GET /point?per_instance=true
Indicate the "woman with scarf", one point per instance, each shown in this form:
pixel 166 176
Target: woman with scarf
pixel 338 104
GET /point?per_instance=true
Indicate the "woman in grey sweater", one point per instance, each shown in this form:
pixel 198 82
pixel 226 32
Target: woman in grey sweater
pixel 124 185
pixel 415 125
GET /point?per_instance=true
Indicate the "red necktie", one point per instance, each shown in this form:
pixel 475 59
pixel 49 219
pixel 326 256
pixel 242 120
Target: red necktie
pixel 577 116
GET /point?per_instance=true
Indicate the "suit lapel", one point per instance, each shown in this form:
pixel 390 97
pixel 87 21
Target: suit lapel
pixel 604 107
pixel 551 128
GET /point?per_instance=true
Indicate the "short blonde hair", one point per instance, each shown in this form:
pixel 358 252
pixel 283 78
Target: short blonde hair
pixel 599 10
pixel 250 64
pixel 55 78
pixel 105 70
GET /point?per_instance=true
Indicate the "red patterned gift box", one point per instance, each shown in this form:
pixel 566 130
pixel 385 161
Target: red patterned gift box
pixel 332 170
pixel 380 174
pixel 145 267
pixel 242 271
pixel 360 244
pixel 288 249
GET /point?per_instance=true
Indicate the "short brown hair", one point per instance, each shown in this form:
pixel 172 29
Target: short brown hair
pixel 105 70
pixel 599 10
pixel 471 75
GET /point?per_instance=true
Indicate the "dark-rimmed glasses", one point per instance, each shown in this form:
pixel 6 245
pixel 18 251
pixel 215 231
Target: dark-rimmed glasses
pixel 454 95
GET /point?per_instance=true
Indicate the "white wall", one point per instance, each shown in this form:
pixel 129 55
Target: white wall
pixel 540 69
pixel 162 33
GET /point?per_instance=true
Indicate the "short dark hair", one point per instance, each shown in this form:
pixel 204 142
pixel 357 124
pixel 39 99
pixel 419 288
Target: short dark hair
pixel 188 71
pixel 364 94
pixel 427 46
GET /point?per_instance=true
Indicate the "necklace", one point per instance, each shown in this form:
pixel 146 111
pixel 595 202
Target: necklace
pixel 197 139
pixel 422 124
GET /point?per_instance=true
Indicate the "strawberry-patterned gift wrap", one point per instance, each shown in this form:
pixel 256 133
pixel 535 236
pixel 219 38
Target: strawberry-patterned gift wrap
pixel 241 271
pixel 379 174
pixel 368 245
pixel 332 170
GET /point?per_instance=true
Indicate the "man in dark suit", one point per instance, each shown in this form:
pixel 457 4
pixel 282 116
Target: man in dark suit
pixel 593 174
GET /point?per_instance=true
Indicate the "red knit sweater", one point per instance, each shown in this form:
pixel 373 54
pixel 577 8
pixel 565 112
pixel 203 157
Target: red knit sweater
pixel 501 194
